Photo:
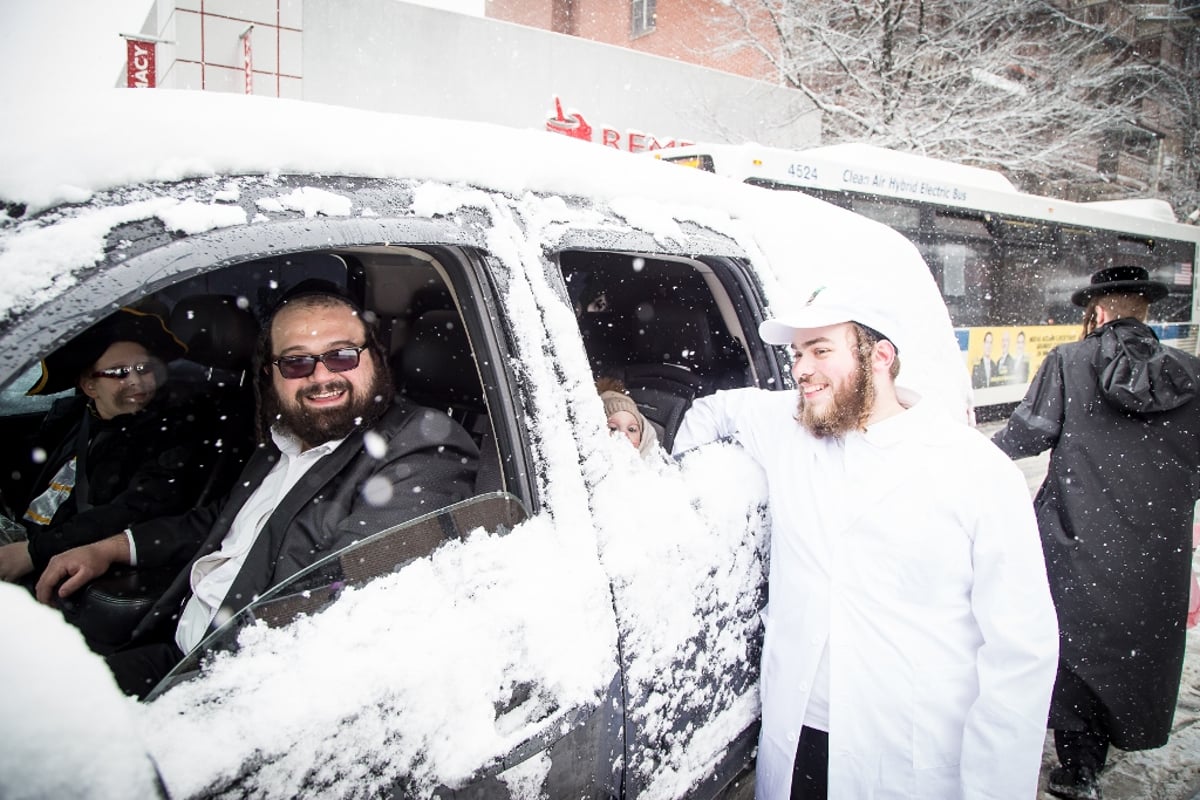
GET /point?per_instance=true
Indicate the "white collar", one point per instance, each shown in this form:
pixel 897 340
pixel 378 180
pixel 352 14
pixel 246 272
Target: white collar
pixel 894 428
pixel 289 444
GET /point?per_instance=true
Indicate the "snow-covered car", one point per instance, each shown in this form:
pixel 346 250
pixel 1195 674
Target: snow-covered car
pixel 588 624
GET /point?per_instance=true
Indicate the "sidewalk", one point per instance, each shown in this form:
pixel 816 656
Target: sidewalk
pixel 1171 772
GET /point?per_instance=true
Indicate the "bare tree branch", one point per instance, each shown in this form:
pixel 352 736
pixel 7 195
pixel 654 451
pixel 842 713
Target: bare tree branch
pixel 1023 86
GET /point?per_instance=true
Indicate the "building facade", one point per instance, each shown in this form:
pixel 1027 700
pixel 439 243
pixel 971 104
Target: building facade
pixel 630 74
pixel 400 57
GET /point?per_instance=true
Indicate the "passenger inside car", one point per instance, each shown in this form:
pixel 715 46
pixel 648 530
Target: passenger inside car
pixel 211 381
pixel 421 330
pixel 342 461
pixel 657 328
pixel 120 450
pixel 624 418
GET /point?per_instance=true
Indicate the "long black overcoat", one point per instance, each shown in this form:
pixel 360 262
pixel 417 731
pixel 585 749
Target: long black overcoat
pixel 1115 514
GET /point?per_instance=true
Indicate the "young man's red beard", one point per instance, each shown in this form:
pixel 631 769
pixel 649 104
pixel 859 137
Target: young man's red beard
pixel 851 405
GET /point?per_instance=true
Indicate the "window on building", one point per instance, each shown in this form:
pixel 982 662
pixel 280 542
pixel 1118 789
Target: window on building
pixel 643 14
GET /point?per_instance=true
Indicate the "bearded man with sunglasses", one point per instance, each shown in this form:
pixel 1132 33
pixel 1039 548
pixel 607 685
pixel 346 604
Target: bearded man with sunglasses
pixel 329 426
pixel 116 453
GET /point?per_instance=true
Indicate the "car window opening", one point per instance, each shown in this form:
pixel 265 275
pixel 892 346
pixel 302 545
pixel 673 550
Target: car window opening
pixel 658 327
pixel 408 295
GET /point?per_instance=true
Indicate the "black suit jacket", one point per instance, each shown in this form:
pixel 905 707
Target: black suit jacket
pixel 982 376
pixel 138 467
pixel 429 462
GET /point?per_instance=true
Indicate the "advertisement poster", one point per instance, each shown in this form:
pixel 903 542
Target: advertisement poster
pixel 1003 360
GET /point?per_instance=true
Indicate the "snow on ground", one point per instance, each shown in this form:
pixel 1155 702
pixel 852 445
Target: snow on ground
pixel 1171 772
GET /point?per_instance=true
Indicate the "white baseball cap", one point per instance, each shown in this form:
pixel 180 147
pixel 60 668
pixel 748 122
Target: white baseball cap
pixel 832 305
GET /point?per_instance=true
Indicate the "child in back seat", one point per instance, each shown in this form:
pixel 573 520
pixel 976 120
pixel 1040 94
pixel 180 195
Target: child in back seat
pixel 623 415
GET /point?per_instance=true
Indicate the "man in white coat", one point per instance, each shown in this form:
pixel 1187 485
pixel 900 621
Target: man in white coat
pixel 911 641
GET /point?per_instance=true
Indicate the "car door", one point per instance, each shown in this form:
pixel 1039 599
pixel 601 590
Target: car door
pixel 480 667
pixel 683 540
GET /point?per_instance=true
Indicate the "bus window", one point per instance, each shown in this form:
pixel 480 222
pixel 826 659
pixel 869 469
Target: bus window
pixel 957 224
pixel 899 216
pixel 1024 272
pixel 1133 247
pixel 1172 264
pixel 964 271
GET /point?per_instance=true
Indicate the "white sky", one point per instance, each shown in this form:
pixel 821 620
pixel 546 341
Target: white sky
pixel 54 44
pixel 57 44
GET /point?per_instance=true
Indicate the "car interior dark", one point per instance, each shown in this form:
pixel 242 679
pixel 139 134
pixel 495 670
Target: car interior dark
pixel 661 327
pixel 216 314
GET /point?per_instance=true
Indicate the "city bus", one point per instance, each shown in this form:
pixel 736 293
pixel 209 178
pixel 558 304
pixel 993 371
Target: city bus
pixel 1006 262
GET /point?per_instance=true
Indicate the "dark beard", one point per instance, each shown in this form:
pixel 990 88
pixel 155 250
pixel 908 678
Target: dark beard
pixel 851 406
pixel 314 427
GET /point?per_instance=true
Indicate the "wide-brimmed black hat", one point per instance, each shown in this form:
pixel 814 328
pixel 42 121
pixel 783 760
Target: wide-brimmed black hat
pixel 62 368
pixel 1121 280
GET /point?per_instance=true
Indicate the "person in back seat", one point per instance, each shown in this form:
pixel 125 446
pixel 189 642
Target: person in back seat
pixel 117 453
pixel 624 416
pixel 340 459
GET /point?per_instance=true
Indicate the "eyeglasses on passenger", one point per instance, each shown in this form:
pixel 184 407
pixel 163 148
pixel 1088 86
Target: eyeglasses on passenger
pixel 123 372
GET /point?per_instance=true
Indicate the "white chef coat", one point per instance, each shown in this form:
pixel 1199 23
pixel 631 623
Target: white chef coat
pixel 911 551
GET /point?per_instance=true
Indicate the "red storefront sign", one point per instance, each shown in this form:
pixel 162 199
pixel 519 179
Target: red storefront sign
pixel 139 64
pixel 575 126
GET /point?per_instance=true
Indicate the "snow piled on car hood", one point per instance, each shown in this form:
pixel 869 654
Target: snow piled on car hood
pixel 168 135
pixel 401 677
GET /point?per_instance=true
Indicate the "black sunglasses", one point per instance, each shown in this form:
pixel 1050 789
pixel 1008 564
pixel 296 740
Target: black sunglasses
pixel 121 373
pixel 343 359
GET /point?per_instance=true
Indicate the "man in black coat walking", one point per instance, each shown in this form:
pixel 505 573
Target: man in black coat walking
pixel 1118 410
pixel 339 460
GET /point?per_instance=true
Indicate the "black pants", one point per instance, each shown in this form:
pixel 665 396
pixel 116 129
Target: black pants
pixel 139 669
pixel 1077 749
pixel 1080 723
pixel 810 773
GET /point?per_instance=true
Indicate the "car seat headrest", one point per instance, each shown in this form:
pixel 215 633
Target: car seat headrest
pixel 673 335
pixel 435 366
pixel 218 332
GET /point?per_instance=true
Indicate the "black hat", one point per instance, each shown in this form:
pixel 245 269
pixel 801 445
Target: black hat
pixel 1121 280
pixel 62 368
